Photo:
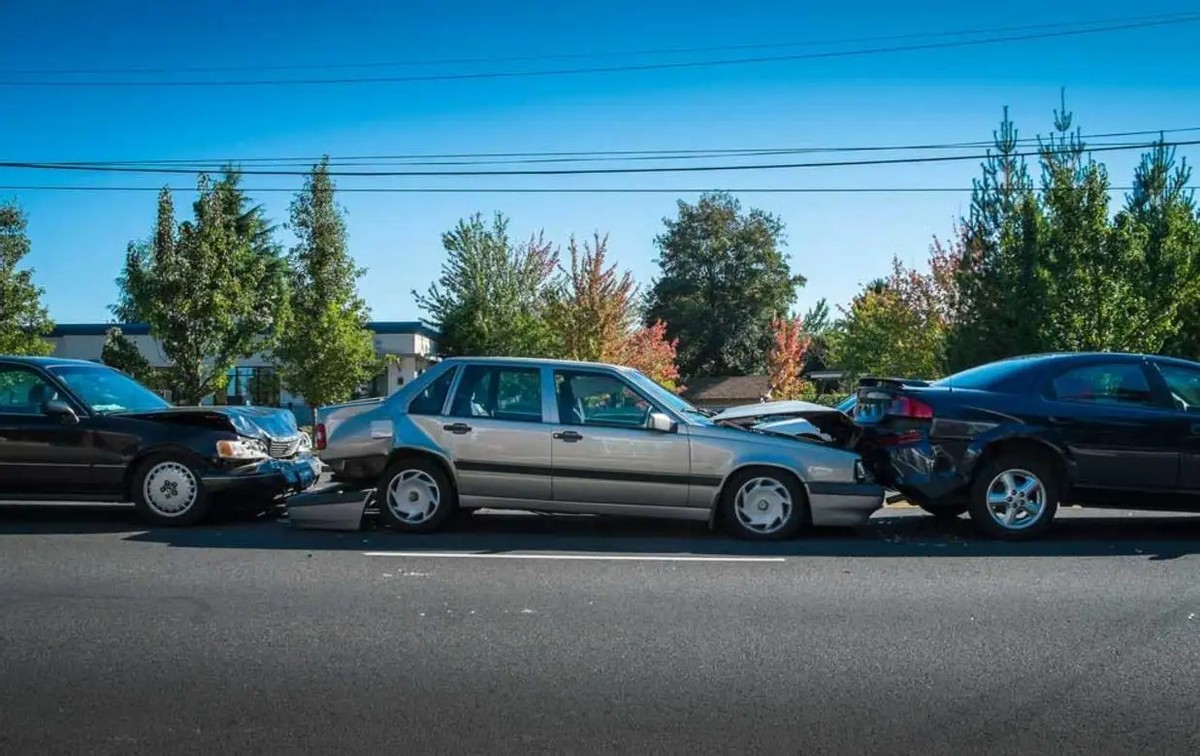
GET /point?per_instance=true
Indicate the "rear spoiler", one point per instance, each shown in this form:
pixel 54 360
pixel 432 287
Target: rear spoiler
pixel 872 382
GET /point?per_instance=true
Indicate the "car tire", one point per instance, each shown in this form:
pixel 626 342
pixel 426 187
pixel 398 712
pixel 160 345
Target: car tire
pixel 415 496
pixel 944 510
pixel 168 490
pixel 1003 492
pixel 763 504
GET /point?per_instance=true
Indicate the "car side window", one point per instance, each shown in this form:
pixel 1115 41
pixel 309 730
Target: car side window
pixel 1114 383
pixel 432 398
pixel 1184 385
pixel 598 399
pixel 499 392
pixel 23 392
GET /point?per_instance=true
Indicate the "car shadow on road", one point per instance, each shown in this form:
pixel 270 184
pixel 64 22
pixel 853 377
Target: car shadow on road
pixel 890 533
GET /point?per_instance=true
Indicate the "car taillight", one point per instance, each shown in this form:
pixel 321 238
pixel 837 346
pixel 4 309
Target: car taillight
pixel 319 436
pixel 906 406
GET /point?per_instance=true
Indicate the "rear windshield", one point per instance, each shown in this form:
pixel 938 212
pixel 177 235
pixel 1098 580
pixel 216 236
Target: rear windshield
pixel 989 377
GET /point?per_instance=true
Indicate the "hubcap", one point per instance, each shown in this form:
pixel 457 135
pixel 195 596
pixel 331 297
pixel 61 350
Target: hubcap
pixel 1016 499
pixel 763 505
pixel 170 489
pixel 413 496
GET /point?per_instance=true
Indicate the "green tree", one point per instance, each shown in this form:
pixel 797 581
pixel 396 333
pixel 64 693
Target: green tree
pixel 209 296
pixel 1002 254
pixel 121 353
pixel 325 351
pixel 24 322
pixel 1159 229
pixel 494 297
pixel 724 278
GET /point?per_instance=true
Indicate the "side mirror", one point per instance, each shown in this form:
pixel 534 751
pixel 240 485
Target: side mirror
pixel 661 423
pixel 60 409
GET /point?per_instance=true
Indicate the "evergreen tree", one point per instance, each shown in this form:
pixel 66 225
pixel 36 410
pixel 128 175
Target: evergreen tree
pixel 24 322
pixel 325 351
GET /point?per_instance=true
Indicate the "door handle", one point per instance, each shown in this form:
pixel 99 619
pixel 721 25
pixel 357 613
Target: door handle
pixel 568 436
pixel 1055 420
pixel 458 428
pixel 1195 429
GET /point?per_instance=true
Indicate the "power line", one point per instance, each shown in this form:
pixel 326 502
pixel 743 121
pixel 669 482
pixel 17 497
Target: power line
pixel 548 190
pixel 480 75
pixel 197 165
pixel 587 55
pixel 74 167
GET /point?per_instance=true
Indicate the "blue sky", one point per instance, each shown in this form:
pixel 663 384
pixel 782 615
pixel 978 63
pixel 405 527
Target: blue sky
pixel 1129 80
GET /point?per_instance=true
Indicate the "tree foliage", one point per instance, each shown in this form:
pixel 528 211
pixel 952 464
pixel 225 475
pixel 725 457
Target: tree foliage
pixel 325 351
pixel 210 291
pixel 595 311
pixel 494 297
pixel 121 353
pixel 724 278
pixel 648 350
pixel 787 358
pixel 1042 268
pixel 24 322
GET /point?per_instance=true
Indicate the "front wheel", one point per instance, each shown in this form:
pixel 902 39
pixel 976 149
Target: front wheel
pixel 1014 497
pixel 763 505
pixel 415 496
pixel 167 490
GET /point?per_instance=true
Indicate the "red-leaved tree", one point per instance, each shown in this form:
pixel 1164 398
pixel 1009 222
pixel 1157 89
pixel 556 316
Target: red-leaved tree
pixel 785 361
pixel 647 349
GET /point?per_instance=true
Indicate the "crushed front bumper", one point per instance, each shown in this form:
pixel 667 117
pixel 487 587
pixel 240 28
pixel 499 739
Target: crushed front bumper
pixel 270 477
pixel 332 507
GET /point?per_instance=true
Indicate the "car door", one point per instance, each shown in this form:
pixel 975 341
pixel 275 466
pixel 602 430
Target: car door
pixel 495 434
pixel 40 454
pixel 602 450
pixel 1116 424
pixel 1183 383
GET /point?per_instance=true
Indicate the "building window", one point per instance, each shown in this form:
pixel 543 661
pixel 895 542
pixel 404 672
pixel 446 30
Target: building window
pixel 258 386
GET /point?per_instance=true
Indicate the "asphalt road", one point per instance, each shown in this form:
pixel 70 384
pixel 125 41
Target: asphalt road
pixel 902 637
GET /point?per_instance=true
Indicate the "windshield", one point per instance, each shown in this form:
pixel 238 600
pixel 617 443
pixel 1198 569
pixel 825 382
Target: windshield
pixel 668 398
pixel 106 390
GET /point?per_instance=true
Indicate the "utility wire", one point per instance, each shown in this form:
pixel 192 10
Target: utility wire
pixel 479 75
pixel 74 167
pixel 548 190
pixel 501 158
pixel 584 55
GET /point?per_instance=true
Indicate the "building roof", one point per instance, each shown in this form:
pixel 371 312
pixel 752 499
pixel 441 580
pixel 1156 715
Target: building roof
pixel 143 329
pixel 721 388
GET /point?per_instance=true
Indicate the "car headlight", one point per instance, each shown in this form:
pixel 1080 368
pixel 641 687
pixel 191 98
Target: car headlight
pixel 241 448
pixel 305 442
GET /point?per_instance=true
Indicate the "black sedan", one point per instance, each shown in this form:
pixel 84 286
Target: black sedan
pixel 79 431
pixel 1009 440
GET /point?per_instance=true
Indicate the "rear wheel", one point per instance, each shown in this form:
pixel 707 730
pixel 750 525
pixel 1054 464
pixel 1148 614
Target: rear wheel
pixel 1014 497
pixel 763 505
pixel 415 496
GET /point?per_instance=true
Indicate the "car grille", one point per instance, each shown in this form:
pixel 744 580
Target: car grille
pixel 283 447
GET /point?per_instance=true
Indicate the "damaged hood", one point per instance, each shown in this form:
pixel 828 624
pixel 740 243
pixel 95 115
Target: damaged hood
pixel 749 414
pixel 791 418
pixel 254 422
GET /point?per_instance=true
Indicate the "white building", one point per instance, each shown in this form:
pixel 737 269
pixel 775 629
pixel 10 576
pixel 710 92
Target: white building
pixel 413 344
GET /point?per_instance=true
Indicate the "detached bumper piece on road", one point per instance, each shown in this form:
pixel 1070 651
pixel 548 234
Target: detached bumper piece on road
pixel 844 504
pixel 334 507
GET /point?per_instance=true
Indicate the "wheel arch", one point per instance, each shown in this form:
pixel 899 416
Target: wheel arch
pixel 411 452
pixel 719 497
pixel 1059 461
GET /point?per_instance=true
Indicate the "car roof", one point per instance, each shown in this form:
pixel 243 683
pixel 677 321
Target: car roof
pixel 536 361
pixel 1045 357
pixel 46 362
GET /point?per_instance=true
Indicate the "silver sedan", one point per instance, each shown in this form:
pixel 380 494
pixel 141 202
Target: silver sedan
pixel 576 437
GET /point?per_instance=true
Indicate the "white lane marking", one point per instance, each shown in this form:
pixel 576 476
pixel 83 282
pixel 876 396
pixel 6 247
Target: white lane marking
pixel 576 557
